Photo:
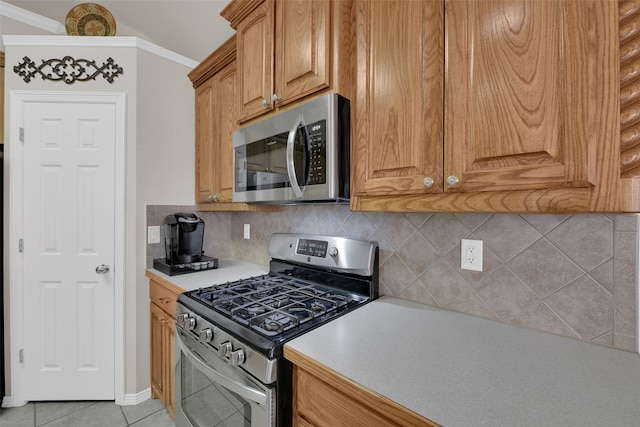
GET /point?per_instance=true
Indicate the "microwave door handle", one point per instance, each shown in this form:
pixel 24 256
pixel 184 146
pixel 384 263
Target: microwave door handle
pixel 242 390
pixel 291 169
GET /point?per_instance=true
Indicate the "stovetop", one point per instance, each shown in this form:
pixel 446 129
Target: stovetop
pixel 266 311
pixel 272 304
pixel 311 280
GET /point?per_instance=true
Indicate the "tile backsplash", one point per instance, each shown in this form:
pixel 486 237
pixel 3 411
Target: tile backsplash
pixel 573 275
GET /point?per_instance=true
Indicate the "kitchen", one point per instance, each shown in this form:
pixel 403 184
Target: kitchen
pixel 593 256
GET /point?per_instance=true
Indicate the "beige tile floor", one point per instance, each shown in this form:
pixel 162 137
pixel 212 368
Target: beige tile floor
pixel 150 413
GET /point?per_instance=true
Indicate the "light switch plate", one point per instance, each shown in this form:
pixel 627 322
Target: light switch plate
pixel 153 234
pixel 247 231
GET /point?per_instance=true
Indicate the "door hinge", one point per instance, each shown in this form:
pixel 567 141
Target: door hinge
pixel 21 134
pixel 20 245
pixel 21 355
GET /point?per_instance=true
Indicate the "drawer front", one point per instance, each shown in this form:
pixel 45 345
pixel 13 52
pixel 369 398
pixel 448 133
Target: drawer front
pixel 163 297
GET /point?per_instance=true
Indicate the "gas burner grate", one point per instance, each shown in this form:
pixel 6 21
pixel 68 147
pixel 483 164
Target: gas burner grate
pixel 272 304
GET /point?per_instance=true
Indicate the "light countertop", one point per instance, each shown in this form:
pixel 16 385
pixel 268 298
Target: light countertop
pixel 228 270
pixel 460 370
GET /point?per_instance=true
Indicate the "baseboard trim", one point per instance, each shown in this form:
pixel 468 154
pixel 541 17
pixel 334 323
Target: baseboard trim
pixel 129 399
pixel 135 399
pixel 9 402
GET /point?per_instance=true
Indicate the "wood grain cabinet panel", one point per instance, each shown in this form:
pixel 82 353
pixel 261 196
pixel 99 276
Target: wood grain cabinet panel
pixel 288 50
pixel 399 97
pixel 517 106
pixel 163 298
pixel 204 144
pixel 216 118
pixel 302 48
pixel 491 105
pixel 255 61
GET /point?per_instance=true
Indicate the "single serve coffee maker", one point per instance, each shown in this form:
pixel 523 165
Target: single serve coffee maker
pixel 183 238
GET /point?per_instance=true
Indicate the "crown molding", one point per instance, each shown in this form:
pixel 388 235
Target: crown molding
pixel 92 41
pixel 30 18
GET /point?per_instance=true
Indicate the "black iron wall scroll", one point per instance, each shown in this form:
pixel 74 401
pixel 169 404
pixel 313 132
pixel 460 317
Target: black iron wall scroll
pixel 67 69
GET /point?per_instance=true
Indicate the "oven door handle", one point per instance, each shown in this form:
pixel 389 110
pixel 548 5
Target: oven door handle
pixel 242 390
pixel 291 167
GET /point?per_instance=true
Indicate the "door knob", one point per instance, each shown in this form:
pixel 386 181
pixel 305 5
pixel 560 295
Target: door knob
pixel 102 269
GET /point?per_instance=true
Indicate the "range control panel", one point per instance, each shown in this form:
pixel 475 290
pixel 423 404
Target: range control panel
pixel 331 252
pixel 317 248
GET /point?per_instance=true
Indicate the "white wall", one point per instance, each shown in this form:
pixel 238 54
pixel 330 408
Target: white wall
pixel 12 27
pixel 165 168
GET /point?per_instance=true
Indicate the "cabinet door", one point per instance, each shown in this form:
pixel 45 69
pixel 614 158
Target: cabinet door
pixel 399 97
pixel 158 325
pixel 254 36
pixel 162 356
pixel 169 356
pixel 215 123
pixel 204 147
pixel 225 123
pixel 302 48
pixel 518 95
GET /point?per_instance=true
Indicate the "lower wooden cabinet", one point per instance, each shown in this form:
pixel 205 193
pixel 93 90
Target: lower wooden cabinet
pixel 323 398
pixel 163 296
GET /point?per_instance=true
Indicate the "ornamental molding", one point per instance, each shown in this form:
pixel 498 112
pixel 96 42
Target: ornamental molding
pixel 68 69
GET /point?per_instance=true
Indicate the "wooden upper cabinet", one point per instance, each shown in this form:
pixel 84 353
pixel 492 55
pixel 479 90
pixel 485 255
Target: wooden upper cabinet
pixel 204 146
pixel 255 40
pixel 518 95
pixel 399 97
pixel 486 105
pixel 215 121
pixel 289 49
pixel 216 94
pixel 225 122
pixel 302 48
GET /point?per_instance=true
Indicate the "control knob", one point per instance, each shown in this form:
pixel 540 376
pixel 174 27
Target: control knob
pixel 206 335
pixel 187 322
pixel 236 357
pixel 333 251
pixel 190 324
pixel 225 349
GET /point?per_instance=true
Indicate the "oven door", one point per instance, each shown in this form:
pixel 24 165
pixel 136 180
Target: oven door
pixel 210 392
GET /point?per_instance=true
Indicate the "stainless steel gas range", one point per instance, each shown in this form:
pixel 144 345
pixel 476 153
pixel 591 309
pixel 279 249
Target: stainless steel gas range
pixel 230 337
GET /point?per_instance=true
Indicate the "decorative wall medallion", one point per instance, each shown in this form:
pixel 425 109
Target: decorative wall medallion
pixel 67 69
pixel 90 19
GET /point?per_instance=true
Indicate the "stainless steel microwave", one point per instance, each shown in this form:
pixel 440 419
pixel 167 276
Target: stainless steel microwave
pixel 300 155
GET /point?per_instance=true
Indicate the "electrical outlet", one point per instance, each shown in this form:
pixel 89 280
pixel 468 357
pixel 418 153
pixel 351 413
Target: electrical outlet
pixel 247 231
pixel 153 234
pixel 471 254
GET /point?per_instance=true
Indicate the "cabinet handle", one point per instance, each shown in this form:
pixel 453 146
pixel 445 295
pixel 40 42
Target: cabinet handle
pixel 161 300
pixel 213 197
pixel 453 181
pixel 265 103
pixel 428 182
pixel 275 98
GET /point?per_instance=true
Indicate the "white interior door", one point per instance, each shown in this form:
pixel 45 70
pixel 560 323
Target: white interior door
pixel 69 194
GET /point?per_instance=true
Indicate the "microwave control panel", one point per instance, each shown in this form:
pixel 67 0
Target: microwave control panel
pixel 317 152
